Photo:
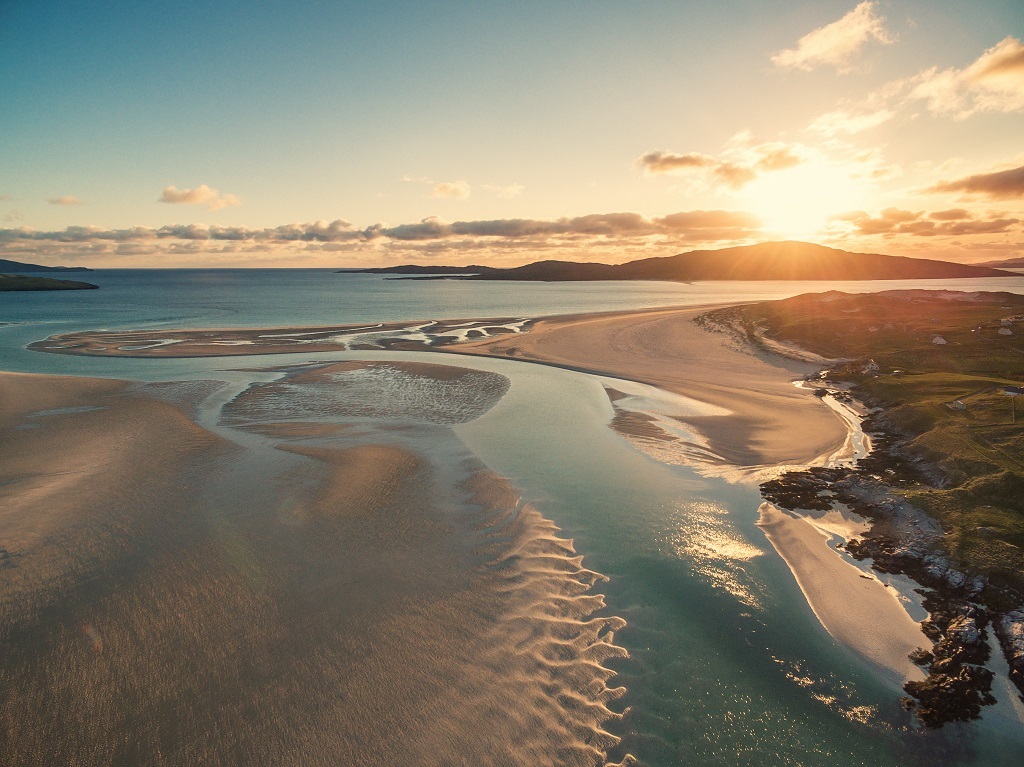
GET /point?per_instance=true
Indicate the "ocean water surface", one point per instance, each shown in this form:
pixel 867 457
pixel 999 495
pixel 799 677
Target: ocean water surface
pixel 727 664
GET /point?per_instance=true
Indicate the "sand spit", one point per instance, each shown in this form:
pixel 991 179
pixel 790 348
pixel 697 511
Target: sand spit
pixel 230 342
pixel 323 596
pixel 771 422
pixel 854 607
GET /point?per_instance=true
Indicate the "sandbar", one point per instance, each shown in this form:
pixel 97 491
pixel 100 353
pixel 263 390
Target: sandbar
pixel 854 607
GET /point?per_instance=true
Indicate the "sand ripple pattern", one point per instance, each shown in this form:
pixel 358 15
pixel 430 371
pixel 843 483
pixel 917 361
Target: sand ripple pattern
pixel 179 600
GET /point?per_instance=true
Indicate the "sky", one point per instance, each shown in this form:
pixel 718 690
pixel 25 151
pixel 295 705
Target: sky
pixel 339 134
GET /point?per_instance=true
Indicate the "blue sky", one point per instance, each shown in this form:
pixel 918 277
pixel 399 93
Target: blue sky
pixel 398 121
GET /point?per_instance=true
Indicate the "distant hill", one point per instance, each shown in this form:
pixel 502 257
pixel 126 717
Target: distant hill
pixel 764 261
pixel 25 282
pixel 9 267
pixel 1009 263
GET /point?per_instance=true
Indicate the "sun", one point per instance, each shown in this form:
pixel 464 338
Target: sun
pixel 796 203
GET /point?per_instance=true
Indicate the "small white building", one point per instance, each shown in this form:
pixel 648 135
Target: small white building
pixel 1005 332
pixel 939 341
pixel 871 367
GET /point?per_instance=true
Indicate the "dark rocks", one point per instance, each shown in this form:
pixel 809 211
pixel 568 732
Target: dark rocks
pixel 956 695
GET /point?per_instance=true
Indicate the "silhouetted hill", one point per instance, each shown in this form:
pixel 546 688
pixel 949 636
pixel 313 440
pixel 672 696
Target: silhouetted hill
pixel 9 267
pixel 764 261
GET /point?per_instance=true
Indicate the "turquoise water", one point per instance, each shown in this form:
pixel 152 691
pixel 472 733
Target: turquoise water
pixel 728 665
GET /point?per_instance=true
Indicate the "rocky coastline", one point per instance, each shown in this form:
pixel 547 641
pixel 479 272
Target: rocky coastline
pixel 962 607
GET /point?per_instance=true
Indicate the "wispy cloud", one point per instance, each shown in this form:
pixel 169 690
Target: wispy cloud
pixel 454 190
pixel 200 195
pixel 1000 185
pixel 849 123
pixel 64 199
pixel 837 43
pixel 5 197
pixel 994 82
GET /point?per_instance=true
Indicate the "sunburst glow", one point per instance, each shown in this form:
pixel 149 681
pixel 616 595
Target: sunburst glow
pixel 796 203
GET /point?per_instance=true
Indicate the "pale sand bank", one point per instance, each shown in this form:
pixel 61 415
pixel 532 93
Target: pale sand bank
pixel 771 422
pixel 857 609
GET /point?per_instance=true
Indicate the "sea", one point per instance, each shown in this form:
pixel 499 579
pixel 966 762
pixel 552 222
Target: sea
pixel 727 664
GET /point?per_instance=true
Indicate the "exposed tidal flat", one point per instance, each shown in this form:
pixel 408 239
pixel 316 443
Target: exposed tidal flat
pixel 352 562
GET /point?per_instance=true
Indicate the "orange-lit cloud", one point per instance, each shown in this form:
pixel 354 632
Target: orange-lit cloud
pixel 953 222
pixel 665 161
pixel 740 164
pixel 430 236
pixel 64 199
pixel 1001 185
pixel 200 195
pixel 837 43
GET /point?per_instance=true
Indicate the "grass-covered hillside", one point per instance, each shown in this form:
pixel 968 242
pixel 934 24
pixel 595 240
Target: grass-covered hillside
pixel 943 360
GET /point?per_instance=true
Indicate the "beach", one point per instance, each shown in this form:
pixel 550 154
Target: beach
pixel 338 536
pixel 330 568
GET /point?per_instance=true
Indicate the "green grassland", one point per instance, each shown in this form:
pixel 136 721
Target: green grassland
pixel 978 492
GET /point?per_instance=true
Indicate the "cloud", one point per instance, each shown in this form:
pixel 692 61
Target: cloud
pixel 455 190
pixel 837 43
pixel 505 192
pixel 1001 185
pixel 64 199
pixel 992 83
pixel 741 162
pixel 955 222
pixel 777 157
pixel 571 237
pixel 201 195
pixel 953 214
pixel 842 122
pixel 733 176
pixel 664 161
pixel 5 197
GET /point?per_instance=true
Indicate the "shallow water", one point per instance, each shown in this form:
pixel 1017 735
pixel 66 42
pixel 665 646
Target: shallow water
pixel 727 663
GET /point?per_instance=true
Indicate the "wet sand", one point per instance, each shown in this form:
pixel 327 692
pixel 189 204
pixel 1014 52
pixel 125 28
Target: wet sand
pixel 855 608
pixel 335 593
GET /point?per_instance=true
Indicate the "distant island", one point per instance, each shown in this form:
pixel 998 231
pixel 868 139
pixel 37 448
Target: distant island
pixel 7 267
pixel 10 282
pixel 764 261
pixel 1006 263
